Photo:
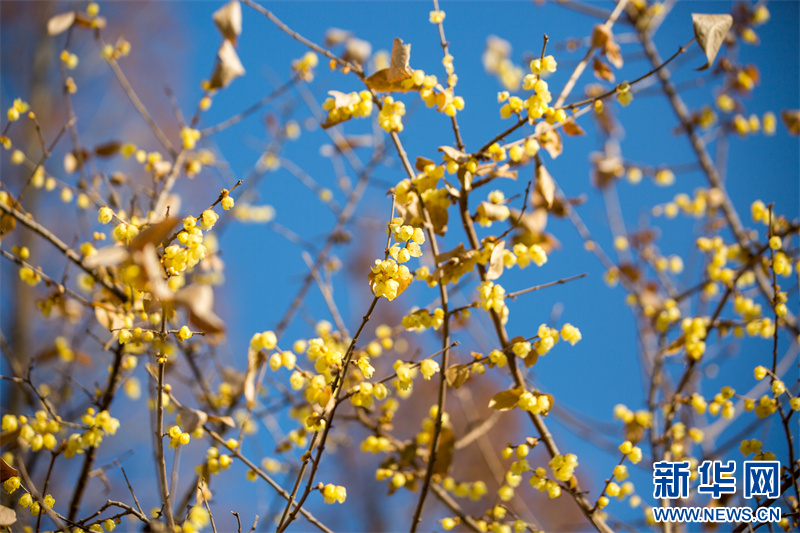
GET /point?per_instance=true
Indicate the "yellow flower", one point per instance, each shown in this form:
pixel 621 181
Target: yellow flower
pixel 428 367
pixel 184 333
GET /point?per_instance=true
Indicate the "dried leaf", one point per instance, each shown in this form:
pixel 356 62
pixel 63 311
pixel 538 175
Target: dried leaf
pixel 228 19
pixel 456 155
pixel 399 69
pixel 336 36
pixel 456 375
pixel 254 359
pixel 601 35
pixel 191 419
pixel 458 251
pixel 496 262
pixel 390 79
pixel 7 471
pixel 710 32
pixel 227 420
pixel 357 50
pixel 531 358
pixel 675 346
pixel 602 71
pixel 411 213
pixel 228 68
pixel 530 226
pixel 630 271
pixel 8 516
pixel 505 400
pixel 791 118
pixel 606 169
pixel 603 39
pixel 199 300
pixel 108 149
pixel 107 256
pixel 503 172
pixel 549 139
pixel 634 432
pixel 444 452
pixel 422 162
pixel 154 234
pixel 545 184
pixel 60 23
pixel 614 54
pixel 108 318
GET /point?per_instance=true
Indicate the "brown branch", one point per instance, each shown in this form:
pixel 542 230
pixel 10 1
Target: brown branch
pixel 71 254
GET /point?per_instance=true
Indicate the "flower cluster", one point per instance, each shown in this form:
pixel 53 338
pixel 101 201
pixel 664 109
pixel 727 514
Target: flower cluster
pixel 343 107
pixel 99 425
pixel 177 437
pixel 390 117
pixel 304 67
pixel 422 319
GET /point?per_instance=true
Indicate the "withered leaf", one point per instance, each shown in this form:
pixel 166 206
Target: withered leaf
pixel 601 34
pixel 603 39
pixel 503 171
pixel 505 400
pixel 422 162
pixel 108 318
pixel 614 54
pixel 710 32
pixel 254 359
pixel 60 23
pixel 154 234
pixel 399 69
pixel 335 36
pixel 357 50
pixel 602 71
pixel 7 471
pixel 791 118
pixel 458 251
pixel 549 139
pixel 456 375
pixel 228 19
pixel 390 79
pixel 630 271
pixel 8 437
pixel 191 419
pixel 675 346
pixel 530 226
pixel 634 432
pixel 531 358
pixel 107 149
pixel 199 300
pixel 227 420
pixel 444 452
pixel 606 169
pixel 8 516
pixel 228 68
pixel 496 261
pixel 545 184
pixel 456 155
